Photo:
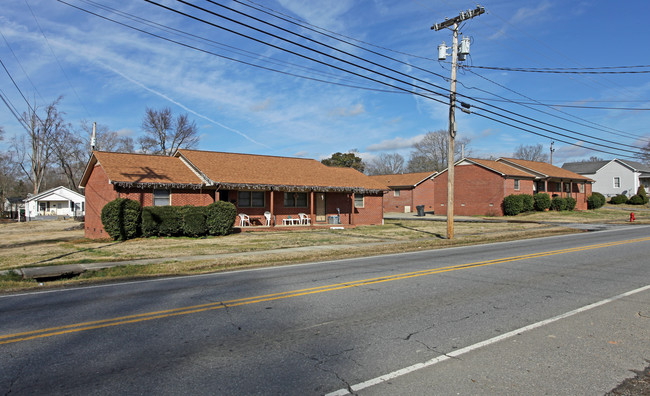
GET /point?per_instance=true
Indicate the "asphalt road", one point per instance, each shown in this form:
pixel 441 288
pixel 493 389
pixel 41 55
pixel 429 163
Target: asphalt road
pixel 425 321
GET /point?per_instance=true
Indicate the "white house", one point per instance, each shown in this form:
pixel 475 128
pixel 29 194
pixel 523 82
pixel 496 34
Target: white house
pixel 613 177
pixel 59 201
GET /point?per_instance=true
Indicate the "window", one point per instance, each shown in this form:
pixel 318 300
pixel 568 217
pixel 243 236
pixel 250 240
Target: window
pixel 358 200
pixel 582 188
pixel 295 200
pixel 567 187
pixel 617 182
pixel 161 197
pixel 516 184
pixel 250 199
pixel 396 193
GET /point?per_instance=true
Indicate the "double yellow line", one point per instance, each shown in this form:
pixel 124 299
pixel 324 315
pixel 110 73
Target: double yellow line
pixel 98 324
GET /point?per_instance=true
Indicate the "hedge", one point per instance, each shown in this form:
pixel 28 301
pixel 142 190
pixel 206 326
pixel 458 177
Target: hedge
pixel 570 203
pixel 121 218
pixel 642 193
pixel 542 201
pixel 162 221
pixel 637 200
pixel 595 201
pixel 220 217
pixel 618 199
pixel 194 221
pixel 512 205
pixel 558 203
pixel 528 203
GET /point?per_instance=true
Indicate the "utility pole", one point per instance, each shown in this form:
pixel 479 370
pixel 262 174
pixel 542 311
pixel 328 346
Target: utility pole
pixel 552 150
pixel 453 23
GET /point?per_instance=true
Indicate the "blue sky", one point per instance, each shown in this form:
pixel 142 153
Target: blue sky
pixel 109 73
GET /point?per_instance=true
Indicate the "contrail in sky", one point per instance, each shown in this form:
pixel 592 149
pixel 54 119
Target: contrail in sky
pixel 183 106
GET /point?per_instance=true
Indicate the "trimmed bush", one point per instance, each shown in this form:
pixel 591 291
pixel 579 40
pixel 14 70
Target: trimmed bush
pixel 513 204
pixel 596 200
pixel 162 221
pixel 121 218
pixel 220 217
pixel 542 201
pixel 636 200
pixel 528 203
pixel 194 221
pixel 558 203
pixel 570 203
pixel 618 199
pixel 642 193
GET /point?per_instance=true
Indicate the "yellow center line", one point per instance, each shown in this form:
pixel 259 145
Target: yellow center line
pixel 84 326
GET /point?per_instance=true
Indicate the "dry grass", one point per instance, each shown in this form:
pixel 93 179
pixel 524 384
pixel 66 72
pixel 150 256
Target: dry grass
pixel 53 243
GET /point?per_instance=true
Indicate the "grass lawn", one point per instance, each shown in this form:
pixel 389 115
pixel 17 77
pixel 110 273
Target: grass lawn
pixel 45 243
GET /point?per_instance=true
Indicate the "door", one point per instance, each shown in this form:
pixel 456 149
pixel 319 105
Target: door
pixel 321 211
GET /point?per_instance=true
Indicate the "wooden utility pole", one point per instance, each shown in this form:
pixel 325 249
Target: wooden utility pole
pixel 552 150
pixel 453 23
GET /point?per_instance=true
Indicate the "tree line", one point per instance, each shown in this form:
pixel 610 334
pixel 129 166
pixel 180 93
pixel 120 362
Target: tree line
pixel 430 155
pixel 51 152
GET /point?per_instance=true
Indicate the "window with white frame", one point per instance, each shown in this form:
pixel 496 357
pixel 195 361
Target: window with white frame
pixel 516 184
pixel 161 197
pixel 358 200
pixel 396 193
pixel 250 199
pixel 295 200
pixel 617 182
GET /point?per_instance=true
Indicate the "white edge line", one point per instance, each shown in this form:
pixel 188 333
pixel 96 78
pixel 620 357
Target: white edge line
pixel 236 271
pixel 418 366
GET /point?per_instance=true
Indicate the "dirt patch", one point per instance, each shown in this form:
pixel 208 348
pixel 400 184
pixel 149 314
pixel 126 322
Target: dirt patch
pixel 637 386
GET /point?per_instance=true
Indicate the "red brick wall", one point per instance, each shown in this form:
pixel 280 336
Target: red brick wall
pixel 98 193
pixel 477 191
pixel 372 212
pixel 424 195
pixel 397 204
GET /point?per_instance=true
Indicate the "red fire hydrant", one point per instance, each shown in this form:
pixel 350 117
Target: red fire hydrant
pixel 632 218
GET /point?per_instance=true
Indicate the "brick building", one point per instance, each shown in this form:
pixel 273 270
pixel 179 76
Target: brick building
pixel 481 185
pixel 407 190
pixel 255 184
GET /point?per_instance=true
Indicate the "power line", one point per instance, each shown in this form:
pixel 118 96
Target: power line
pixel 322 53
pixel 296 54
pixel 57 59
pixel 583 70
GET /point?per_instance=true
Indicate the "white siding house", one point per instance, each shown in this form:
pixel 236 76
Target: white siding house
pixel 59 201
pixel 613 177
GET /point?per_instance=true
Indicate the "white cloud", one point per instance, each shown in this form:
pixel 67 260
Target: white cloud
pixel 395 144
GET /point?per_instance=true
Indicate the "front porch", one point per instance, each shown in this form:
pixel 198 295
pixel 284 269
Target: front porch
pixel 264 228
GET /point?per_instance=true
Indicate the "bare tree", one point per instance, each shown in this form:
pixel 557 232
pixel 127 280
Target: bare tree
pixel 106 139
pixel 430 154
pixel 35 149
pixel 531 152
pixel 386 164
pixel 164 135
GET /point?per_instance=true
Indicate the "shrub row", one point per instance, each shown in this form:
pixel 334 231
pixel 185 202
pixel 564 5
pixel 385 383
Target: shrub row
pixel 124 219
pixel 641 198
pixel 519 203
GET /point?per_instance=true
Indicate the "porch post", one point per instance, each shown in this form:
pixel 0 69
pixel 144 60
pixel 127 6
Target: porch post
pixel 352 209
pixel 311 207
pixel 271 209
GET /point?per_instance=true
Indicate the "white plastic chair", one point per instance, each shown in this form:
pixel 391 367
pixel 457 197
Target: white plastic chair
pixel 244 219
pixel 304 219
pixel 268 218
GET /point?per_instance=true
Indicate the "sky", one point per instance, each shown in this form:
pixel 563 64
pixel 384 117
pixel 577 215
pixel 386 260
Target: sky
pixel 253 93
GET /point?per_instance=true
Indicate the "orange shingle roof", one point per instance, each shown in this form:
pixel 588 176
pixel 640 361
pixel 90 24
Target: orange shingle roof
pixel 126 168
pixel 260 171
pixel 501 168
pixel 404 179
pixel 545 169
